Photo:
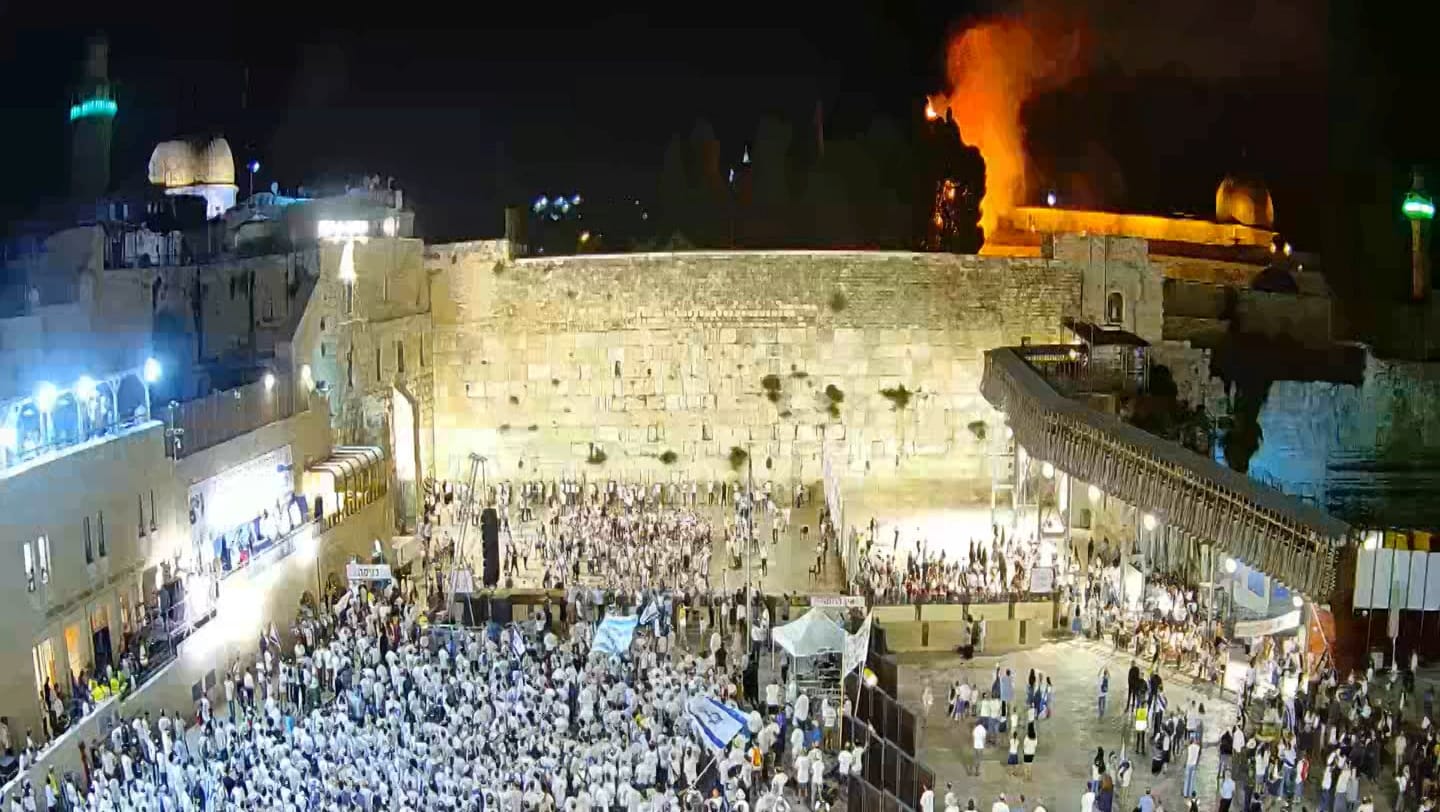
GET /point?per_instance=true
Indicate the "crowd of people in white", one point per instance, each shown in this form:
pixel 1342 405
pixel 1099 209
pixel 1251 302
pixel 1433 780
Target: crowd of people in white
pixel 371 707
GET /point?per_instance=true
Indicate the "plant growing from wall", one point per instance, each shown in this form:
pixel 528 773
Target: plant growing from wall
pixel 771 385
pixel 834 396
pixel 669 457
pixel 977 428
pixel 898 396
pixel 738 456
pixel 597 455
pixel 838 301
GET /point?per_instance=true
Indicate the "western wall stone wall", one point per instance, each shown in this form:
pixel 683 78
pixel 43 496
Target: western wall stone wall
pixel 545 366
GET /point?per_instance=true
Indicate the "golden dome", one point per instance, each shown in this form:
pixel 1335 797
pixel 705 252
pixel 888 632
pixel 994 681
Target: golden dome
pixel 1244 201
pixel 185 163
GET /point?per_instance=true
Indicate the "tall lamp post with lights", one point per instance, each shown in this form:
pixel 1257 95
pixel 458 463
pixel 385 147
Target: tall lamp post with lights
pixel 253 167
pixel 1419 209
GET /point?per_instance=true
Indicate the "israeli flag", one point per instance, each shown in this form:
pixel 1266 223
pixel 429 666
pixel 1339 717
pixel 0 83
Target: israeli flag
pixel 614 634
pixel 650 613
pixel 517 642
pixel 715 722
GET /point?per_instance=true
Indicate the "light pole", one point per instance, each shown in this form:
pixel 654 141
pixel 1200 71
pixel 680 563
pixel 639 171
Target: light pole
pixel 253 166
pixel 1419 209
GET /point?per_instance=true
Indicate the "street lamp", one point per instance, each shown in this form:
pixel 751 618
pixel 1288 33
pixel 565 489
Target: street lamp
pixel 253 166
pixel 269 381
pixel 1419 209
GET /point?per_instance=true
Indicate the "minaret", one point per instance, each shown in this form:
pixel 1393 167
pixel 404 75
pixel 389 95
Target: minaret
pixel 92 112
pixel 1419 209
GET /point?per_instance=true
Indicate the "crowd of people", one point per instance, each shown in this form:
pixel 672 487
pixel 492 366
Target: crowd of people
pixel 373 707
pixel 984 570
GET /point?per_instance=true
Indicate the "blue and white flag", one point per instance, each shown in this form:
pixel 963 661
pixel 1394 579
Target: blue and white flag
pixel 517 642
pixel 715 722
pixel 651 612
pixel 614 634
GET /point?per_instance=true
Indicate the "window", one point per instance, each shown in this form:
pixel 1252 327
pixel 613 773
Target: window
pixel 378 360
pixel 29 566
pixel 42 546
pixel 89 549
pixel 153 525
pixel 101 522
pixel 400 356
pixel 422 350
pixel 1115 308
pixel 141 501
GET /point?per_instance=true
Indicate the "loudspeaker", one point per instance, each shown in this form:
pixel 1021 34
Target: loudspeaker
pixel 490 540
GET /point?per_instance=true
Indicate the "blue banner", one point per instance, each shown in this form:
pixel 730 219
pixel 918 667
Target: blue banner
pixel 614 634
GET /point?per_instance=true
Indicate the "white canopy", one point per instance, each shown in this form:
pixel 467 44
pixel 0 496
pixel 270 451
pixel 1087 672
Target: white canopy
pixel 814 632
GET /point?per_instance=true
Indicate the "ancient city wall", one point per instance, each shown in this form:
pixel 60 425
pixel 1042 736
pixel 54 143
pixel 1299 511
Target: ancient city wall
pixel 662 363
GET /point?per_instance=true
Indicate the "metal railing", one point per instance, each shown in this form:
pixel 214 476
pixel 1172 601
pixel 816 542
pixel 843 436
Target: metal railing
pixel 1074 370
pixel 200 424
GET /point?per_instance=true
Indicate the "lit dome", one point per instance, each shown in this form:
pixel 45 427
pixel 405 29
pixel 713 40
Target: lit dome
pixel 1244 201
pixel 184 163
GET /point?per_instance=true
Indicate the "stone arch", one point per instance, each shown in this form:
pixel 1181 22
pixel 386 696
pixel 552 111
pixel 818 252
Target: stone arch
pixel 130 400
pixel 1115 308
pixel 65 420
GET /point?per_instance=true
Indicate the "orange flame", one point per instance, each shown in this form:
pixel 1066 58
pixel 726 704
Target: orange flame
pixel 993 68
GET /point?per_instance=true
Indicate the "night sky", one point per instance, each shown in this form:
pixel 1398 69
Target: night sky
pixel 472 109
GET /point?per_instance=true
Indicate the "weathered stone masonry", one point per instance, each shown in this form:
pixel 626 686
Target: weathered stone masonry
pixel 547 363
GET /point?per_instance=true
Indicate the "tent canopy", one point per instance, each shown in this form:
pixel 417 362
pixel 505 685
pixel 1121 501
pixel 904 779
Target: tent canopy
pixel 814 632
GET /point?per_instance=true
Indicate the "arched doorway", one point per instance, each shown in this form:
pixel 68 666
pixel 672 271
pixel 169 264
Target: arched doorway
pixel 405 447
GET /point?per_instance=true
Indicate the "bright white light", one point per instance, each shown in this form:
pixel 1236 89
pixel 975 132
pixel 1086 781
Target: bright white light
pixel 1095 493
pixel 45 396
pixel 1297 602
pixel 1149 521
pixel 347 262
pixel 1372 540
pixel 870 678
pixel 152 370
pixel 342 229
pixel 390 226
pixel 307 544
pixel 584 236
pixel 1287 249
pixel 269 381
pixel 85 388
pixel 1009 432
pixel 1050 199
pixel 1231 566
pixel 9 438
pixel 576 199
pixel 1047 470
pixel 540 203
pixel 307 378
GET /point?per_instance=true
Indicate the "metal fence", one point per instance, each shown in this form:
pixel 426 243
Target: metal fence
pixel 893 778
pixel 199 424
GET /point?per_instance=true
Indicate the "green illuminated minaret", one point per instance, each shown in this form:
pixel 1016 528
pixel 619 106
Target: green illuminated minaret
pixel 92 113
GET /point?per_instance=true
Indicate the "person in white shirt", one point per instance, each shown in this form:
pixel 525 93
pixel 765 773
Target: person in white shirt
pixel 1192 763
pixel 1000 805
pixel 772 698
pixel 977 737
pixel 927 800
pixel 1087 800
